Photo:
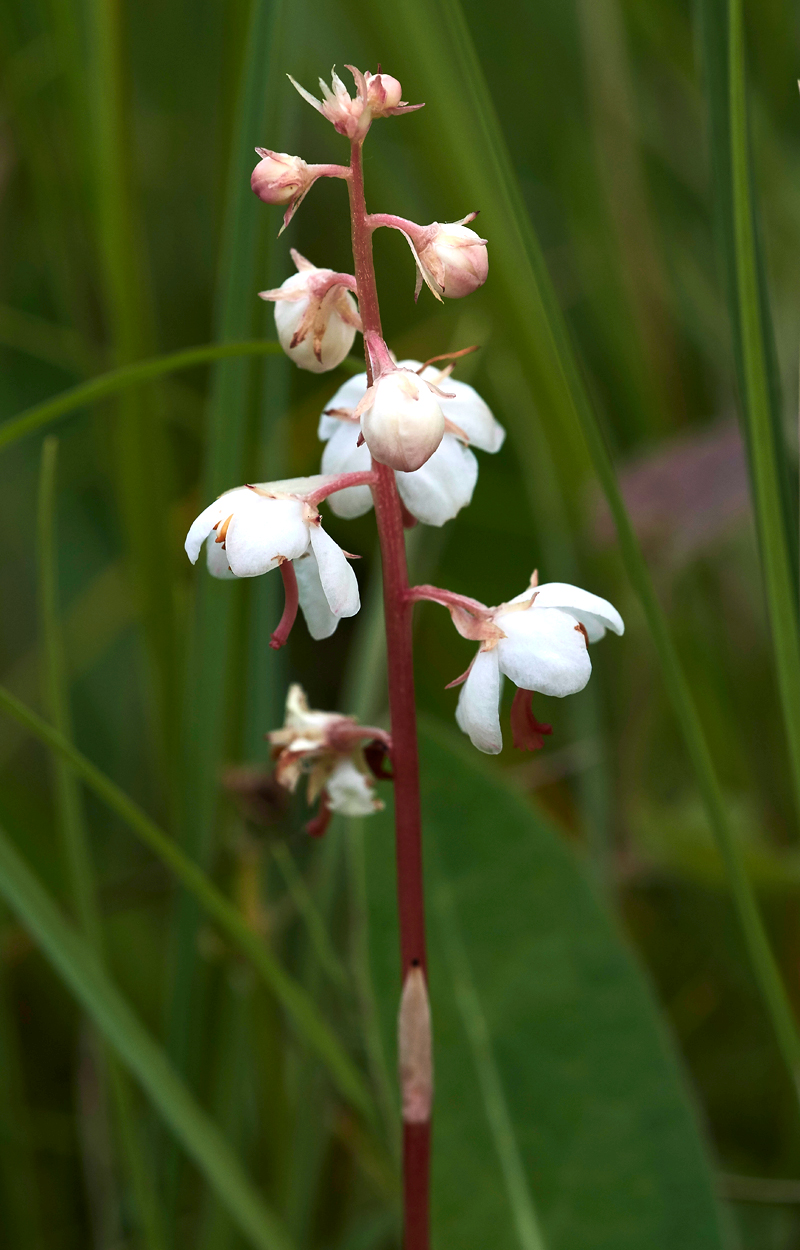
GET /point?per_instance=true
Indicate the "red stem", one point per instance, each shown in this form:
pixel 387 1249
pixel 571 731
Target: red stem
pixel 447 598
pixel 280 635
pixel 398 609
pixel 362 477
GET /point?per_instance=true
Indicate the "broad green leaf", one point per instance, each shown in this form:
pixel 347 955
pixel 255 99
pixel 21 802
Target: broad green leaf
pixel 78 967
pixel 561 1119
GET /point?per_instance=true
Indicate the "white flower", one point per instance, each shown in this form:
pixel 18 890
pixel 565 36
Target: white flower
pixel 350 791
pixel 335 753
pixel 253 529
pixel 401 420
pixel 540 640
pixel 444 484
pixel 315 316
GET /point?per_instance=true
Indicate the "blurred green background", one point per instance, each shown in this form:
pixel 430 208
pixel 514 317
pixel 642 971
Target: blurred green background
pixel 608 1075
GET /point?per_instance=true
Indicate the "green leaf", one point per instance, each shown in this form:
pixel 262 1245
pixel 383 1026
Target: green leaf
pixel 78 967
pixel 560 1119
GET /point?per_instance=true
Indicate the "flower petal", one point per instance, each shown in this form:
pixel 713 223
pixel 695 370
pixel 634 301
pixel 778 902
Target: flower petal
pixel 543 650
pixel 444 484
pixel 217 560
pixel 595 614
pixel 217 511
pixel 343 455
pixel 349 791
pixel 337 578
pixel 347 396
pixel 263 530
pixel 321 622
pixel 466 410
pixel 478 710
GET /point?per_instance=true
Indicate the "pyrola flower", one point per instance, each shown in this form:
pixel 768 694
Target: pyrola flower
pixel 451 258
pixel 253 529
pixel 315 316
pixel 540 640
pixel 401 420
pixel 335 753
pixel 377 95
pixel 279 178
pixel 444 484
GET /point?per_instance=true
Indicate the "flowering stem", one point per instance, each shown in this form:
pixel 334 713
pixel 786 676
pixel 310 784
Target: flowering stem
pixel 280 635
pixel 405 761
pixel 363 477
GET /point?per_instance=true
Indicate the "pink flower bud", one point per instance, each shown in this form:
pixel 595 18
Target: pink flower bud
pixel 401 420
pixel 279 177
pixel 455 258
pixel 384 93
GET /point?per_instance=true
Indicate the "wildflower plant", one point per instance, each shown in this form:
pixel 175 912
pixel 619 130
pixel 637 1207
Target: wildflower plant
pixel 399 438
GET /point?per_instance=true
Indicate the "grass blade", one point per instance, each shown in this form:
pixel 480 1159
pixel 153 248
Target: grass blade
pixel 298 1005
pixel 477 155
pixel 77 852
pixel 779 579
pixel 77 966
pixel 120 379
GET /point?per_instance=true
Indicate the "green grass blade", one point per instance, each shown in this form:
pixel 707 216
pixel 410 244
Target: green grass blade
pixel 77 966
pixel 307 909
pixel 120 379
pixel 20 1199
pixel 77 851
pixel 298 1005
pixel 44 340
pixel 775 550
pixel 478 157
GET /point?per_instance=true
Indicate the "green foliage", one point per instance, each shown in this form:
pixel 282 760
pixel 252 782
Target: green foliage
pixel 559 1104
pixel 638 174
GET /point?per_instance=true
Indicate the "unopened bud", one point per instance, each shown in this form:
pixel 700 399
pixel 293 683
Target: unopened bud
pixel 279 177
pixel 315 316
pixel 384 93
pixel 415 1049
pixel 456 258
pixel 401 420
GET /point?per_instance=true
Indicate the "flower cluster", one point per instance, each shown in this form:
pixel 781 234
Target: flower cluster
pixel 404 422
pixel 338 757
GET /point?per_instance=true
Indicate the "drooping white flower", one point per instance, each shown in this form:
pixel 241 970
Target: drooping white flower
pixel 401 420
pixel 315 316
pixel 439 489
pixel 253 529
pixel 539 639
pixel 335 753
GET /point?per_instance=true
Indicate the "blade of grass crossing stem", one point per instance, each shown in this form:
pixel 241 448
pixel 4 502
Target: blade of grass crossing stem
pixel 116 380
pixel 775 550
pixel 299 1007
pixel 537 325
pixel 226 429
pixel 142 448
pixel 78 968
pixel 75 841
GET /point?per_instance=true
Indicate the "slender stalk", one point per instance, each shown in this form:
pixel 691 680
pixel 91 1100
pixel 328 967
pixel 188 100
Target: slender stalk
pixel 405 756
